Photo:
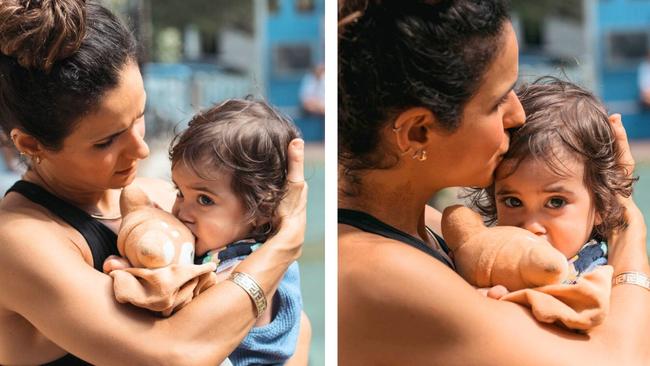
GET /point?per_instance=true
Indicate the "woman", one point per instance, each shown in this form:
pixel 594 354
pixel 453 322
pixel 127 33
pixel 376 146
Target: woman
pixel 425 102
pixel 72 100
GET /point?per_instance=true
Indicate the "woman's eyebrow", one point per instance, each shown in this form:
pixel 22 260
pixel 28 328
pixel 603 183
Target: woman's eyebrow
pixel 112 135
pixel 121 131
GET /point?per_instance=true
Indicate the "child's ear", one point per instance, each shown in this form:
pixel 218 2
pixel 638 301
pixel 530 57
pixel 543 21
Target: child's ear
pixel 598 219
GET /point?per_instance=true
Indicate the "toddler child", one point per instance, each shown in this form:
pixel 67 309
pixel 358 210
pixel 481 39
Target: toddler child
pixel 230 170
pixel 560 177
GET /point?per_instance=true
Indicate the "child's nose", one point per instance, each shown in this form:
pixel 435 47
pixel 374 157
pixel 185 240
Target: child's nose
pixel 181 211
pixel 534 225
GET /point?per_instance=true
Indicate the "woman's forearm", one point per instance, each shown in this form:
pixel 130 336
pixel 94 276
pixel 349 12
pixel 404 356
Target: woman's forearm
pixel 227 311
pixel 627 249
pixel 626 326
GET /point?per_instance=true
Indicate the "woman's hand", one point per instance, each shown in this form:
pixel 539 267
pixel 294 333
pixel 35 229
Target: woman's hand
pixel 620 136
pixel 292 211
pixel 494 292
pixel 627 247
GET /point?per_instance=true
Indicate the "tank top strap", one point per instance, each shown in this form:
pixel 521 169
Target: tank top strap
pixel 101 240
pixel 68 360
pixel 368 223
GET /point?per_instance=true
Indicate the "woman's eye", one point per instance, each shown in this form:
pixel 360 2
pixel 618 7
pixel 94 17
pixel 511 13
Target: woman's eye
pixel 512 202
pixel 105 144
pixel 204 200
pixel 556 202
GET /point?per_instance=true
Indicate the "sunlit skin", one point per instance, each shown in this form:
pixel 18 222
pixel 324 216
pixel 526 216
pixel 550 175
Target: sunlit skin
pixel 556 207
pixel 214 213
pixel 480 142
pixel 108 142
pixel 467 156
pixel 209 208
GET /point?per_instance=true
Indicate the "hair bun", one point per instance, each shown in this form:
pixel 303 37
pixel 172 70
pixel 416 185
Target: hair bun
pixel 40 32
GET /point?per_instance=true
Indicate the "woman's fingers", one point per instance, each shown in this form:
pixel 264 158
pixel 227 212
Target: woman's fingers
pixel 495 292
pixel 296 157
pixel 620 136
pixel 292 211
pixel 114 262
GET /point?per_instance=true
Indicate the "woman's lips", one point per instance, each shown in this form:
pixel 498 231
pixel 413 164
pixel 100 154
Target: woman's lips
pixel 126 171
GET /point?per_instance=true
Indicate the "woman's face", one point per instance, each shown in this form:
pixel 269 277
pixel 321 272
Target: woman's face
pixel 104 148
pixel 472 152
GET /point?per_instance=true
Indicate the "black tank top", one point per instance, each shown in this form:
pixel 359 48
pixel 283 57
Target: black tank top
pixel 370 224
pixel 101 240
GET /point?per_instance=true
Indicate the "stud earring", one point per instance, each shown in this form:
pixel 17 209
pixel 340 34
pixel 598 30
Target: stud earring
pixel 420 155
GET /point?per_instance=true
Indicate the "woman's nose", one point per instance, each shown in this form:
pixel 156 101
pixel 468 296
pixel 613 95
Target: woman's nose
pixel 515 115
pixel 137 148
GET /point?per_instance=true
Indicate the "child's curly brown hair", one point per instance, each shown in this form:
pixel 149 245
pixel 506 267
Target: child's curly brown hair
pixel 248 139
pixel 563 119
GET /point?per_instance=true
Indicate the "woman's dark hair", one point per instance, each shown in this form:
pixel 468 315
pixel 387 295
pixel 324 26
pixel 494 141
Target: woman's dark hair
pixel 248 139
pixel 564 121
pixel 57 59
pixel 394 55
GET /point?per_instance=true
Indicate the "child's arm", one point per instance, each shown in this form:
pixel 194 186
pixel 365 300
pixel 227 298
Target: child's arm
pixel 301 356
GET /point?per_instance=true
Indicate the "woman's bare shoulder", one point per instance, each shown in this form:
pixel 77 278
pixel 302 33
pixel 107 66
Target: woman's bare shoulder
pixel 160 191
pixel 419 310
pixel 364 256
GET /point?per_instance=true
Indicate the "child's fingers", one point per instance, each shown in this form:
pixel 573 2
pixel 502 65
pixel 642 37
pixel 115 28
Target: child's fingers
pixel 620 137
pixel 296 161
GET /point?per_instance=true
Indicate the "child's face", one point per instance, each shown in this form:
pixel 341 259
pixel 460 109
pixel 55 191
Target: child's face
pixel 209 208
pixel 557 208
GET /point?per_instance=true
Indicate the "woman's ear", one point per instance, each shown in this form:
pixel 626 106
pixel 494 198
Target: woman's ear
pixel 413 129
pixel 26 144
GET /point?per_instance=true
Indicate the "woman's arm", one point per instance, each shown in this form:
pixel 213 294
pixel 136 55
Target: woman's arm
pixel 73 305
pixel 422 312
pixel 409 308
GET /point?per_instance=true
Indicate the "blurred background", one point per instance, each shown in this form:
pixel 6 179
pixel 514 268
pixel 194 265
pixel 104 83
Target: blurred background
pixel 194 53
pixel 603 45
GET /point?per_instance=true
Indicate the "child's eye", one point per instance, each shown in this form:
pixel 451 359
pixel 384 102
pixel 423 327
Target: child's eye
pixel 555 202
pixel 512 202
pixel 204 200
pixel 178 191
